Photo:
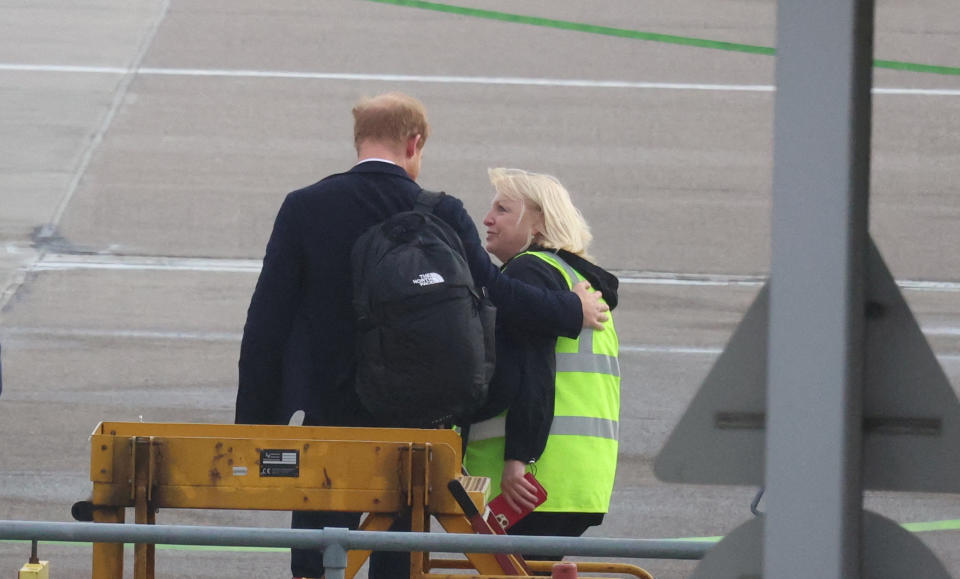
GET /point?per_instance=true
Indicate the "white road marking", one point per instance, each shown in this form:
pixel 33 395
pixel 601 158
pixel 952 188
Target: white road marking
pixel 670 350
pixel 436 79
pixel 113 333
pixel 235 337
pixel 66 262
pixel 62 262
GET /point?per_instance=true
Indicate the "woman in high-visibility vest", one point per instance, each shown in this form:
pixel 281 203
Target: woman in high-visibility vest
pixel 554 406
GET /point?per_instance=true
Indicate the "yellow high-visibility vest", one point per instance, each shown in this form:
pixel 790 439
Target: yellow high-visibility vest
pixel 578 466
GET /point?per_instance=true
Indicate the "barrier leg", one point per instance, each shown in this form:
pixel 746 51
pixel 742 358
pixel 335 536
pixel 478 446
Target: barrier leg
pixel 108 557
pixel 334 561
pixel 484 563
pixel 418 513
pixel 356 558
pixel 144 555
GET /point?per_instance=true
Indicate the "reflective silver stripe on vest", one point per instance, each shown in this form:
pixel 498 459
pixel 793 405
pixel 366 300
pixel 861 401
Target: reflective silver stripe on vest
pixel 584 360
pixel 585 426
pixel 593 363
pixel 562 425
pixel 586 335
pixel 586 341
pixel 571 273
pixel 495 427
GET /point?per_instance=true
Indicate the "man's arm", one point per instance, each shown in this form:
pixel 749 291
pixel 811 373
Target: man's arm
pixel 269 321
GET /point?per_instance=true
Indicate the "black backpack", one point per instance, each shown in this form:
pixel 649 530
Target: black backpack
pixel 425 334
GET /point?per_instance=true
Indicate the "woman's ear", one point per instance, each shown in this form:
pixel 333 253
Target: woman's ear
pixel 538 226
pixel 536 234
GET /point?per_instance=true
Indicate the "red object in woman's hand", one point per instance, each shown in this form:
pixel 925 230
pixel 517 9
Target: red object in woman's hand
pixel 502 516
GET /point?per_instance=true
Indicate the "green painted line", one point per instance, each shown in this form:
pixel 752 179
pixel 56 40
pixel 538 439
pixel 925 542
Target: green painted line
pixel 913 67
pixel 948 525
pixel 223 548
pixel 924 527
pixel 639 35
pixel 68 543
pixel 698 539
pixel 579 27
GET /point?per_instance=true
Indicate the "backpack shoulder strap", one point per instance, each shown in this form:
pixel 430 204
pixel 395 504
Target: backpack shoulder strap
pixel 427 200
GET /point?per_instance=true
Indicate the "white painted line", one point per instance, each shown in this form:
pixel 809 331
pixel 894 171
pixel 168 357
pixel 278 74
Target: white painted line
pixel 198 336
pixel 917 91
pixel 940 331
pixel 720 279
pixel 132 334
pixel 63 68
pixel 437 79
pixel 712 352
pixel 696 279
pixel 691 279
pixel 920 285
pixel 670 350
pixel 63 262
pixel 446 79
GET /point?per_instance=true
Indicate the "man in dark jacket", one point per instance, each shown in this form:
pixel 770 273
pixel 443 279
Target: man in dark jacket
pixel 298 342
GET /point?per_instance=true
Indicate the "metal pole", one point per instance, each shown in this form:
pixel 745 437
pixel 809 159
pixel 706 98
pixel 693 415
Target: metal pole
pixel 351 540
pixel 334 561
pixel 816 346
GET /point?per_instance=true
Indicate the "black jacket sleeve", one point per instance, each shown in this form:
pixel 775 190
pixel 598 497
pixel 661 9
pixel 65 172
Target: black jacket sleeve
pixel 557 312
pixel 526 362
pixel 269 322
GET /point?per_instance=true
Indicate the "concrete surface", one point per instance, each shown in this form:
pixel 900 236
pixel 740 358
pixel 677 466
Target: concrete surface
pixel 145 146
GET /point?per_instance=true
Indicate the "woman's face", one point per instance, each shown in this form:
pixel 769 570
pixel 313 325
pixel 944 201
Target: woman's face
pixel 507 233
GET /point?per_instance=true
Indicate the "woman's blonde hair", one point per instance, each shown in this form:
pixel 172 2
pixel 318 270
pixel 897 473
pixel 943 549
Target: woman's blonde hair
pixel 563 225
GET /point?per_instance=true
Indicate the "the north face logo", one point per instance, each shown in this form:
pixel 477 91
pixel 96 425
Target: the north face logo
pixel 428 279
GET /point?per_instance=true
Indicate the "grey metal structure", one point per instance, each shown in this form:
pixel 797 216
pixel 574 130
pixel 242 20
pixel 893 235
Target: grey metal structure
pixel 336 542
pixel 828 386
pixel 889 552
pixel 819 243
pixel 911 415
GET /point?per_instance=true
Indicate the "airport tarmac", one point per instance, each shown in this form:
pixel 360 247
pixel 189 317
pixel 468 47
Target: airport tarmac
pixel 146 146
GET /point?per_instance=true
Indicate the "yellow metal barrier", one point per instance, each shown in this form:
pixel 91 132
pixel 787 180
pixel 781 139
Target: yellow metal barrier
pixel 379 471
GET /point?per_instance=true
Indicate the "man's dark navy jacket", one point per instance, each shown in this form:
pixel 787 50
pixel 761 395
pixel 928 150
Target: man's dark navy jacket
pixel 299 338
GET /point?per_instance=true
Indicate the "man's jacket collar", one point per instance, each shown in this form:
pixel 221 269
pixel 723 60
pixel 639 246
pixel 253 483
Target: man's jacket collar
pixel 379 167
